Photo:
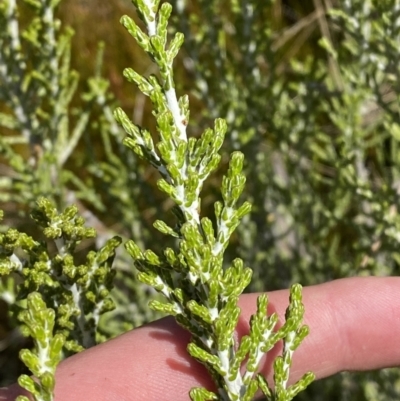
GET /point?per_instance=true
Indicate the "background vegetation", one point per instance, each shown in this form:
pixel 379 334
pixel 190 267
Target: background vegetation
pixel 311 96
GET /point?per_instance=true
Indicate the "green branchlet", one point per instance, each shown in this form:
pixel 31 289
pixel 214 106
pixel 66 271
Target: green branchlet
pixel 59 299
pixel 38 323
pixel 198 290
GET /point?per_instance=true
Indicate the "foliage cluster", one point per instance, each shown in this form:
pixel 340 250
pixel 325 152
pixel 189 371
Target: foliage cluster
pixel 319 130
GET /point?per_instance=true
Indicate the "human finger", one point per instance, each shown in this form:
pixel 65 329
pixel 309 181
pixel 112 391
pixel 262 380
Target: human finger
pixel 354 325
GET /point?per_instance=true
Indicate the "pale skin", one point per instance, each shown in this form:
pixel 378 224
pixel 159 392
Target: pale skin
pixel 354 325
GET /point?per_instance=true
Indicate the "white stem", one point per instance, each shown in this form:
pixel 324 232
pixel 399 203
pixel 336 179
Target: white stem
pixel 173 106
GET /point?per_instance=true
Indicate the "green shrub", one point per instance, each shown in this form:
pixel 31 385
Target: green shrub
pixel 317 125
